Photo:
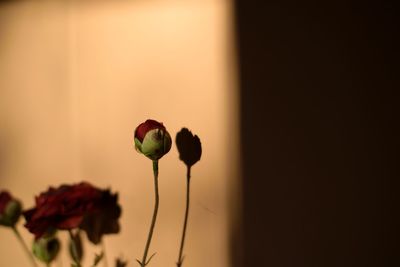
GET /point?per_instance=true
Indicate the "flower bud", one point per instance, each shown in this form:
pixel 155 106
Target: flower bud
pixel 152 139
pixel 46 248
pixel 10 209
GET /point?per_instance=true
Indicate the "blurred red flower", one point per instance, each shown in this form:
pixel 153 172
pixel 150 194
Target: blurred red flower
pixel 67 207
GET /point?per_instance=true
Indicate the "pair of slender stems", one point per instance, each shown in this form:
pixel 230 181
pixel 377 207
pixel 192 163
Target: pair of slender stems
pixel 24 246
pixel 144 261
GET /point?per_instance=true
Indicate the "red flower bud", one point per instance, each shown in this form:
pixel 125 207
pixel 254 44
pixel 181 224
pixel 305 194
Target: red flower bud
pixel 152 139
pixel 5 198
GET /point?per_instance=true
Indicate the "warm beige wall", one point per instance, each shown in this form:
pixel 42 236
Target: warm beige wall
pixel 75 80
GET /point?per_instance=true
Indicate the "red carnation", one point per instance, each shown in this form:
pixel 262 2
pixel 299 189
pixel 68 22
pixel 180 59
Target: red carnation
pixel 67 206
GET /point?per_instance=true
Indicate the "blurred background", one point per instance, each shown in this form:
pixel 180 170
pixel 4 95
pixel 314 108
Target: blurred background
pixel 295 103
pixel 77 77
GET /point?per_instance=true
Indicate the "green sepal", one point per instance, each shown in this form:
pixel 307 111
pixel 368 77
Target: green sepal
pixel 46 249
pixel 138 145
pixel 11 213
pixel 97 258
pixel 156 144
pixel 75 247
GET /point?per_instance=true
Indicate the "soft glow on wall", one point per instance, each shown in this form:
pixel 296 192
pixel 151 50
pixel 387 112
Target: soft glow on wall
pixel 78 76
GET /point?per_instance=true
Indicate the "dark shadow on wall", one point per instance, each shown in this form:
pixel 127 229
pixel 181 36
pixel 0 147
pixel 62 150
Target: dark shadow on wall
pixel 318 133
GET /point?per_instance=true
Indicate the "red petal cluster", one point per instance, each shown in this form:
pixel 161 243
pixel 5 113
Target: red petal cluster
pixel 65 208
pixel 147 126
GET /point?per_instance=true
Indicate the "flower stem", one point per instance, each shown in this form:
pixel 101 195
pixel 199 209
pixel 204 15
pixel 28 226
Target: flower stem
pixel 25 247
pixel 77 263
pixel 153 221
pixel 180 257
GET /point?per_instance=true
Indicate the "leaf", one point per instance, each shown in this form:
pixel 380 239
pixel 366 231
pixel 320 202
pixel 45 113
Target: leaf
pixel 98 258
pixel 150 258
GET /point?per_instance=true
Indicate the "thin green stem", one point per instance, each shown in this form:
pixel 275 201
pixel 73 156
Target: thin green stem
pixel 25 247
pixel 71 235
pixel 153 221
pixel 180 257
